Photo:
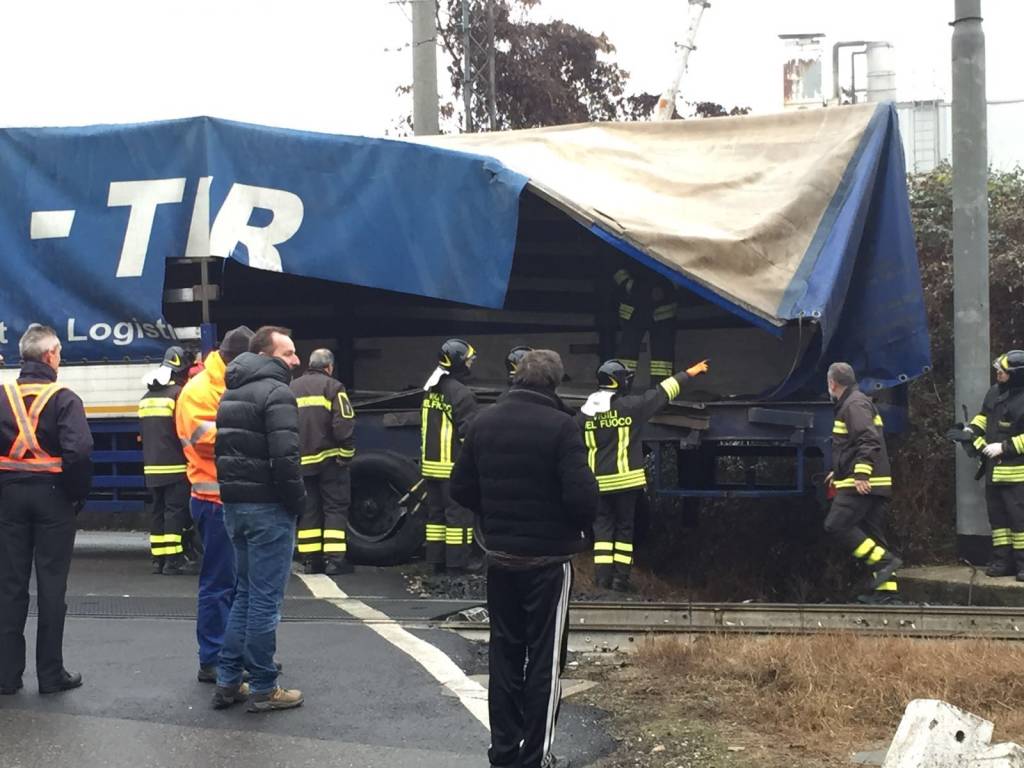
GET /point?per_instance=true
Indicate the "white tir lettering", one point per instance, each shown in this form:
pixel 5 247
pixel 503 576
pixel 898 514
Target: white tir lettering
pixel 143 197
pixel 231 226
pixel 199 230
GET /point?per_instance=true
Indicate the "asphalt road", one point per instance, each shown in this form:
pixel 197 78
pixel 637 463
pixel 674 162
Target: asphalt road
pixel 368 704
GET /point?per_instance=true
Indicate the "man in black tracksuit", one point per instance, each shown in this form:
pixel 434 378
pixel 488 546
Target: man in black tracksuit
pixel 45 474
pixel 449 407
pixel 164 463
pixel 326 424
pixel 999 436
pixel 523 471
pixel 862 480
pixel 611 421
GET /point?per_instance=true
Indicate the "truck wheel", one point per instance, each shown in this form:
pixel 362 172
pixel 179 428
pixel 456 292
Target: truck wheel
pixel 387 517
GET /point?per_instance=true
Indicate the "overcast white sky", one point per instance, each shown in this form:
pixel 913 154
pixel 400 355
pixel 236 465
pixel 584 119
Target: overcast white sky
pixel 334 65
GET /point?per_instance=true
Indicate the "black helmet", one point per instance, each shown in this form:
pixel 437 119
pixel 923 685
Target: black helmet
pixel 176 360
pixel 513 358
pixel 614 375
pixel 1011 363
pixel 456 355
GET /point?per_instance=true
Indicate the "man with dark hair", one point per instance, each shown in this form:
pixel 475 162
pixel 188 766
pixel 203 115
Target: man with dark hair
pixel 195 419
pixel 45 474
pixel 326 423
pixel 259 469
pixel 163 462
pixel 523 471
pixel 862 482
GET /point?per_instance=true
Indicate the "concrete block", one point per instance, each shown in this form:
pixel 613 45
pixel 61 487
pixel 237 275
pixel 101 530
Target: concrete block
pixel 934 734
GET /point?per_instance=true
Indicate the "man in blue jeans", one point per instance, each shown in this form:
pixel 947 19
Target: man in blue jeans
pixel 259 471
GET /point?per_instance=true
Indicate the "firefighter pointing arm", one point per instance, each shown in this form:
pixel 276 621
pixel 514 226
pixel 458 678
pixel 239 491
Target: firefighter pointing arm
pixel 611 421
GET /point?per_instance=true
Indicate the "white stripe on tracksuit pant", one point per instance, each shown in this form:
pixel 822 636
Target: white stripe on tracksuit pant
pixel 528 613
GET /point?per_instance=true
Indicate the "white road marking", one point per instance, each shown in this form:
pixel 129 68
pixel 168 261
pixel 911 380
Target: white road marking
pixel 472 695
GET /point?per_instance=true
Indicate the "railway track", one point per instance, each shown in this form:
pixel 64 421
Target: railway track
pixel 621 626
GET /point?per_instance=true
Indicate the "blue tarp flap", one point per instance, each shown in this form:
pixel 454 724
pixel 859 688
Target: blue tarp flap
pixel 860 279
pixel 90 215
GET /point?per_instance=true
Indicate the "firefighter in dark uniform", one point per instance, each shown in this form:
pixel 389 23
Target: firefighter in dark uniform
pixel 449 407
pixel 862 483
pixel 513 359
pixel 45 474
pixel 611 421
pixel 999 436
pixel 326 441
pixel 164 463
pixel 646 305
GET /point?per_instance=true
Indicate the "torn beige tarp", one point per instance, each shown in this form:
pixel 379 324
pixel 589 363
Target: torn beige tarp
pixel 731 203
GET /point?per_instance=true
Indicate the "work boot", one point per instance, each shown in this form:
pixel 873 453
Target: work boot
pixel 279 698
pixel 226 696
pixel 65 682
pixel 438 569
pixel 1002 563
pixel 887 568
pixel 10 690
pixel 879 598
pixel 208 673
pixel 603 580
pixel 338 566
pixel 191 566
pixel 173 565
pixel 158 565
pixel 551 761
pixel 313 565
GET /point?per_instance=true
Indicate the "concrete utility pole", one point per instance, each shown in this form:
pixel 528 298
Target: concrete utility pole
pixel 972 355
pixel 424 68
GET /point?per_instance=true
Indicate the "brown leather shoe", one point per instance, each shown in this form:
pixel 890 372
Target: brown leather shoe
pixel 279 698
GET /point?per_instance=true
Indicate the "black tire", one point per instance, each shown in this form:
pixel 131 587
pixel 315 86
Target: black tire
pixel 387 517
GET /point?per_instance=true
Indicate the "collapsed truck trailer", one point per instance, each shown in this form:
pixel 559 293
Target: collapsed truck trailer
pixel 787 238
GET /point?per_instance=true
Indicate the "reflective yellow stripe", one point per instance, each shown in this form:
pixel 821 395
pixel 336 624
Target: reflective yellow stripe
pixel 333 533
pixel 1018 541
pixel 437 469
pixel 876 482
pixel 664 312
pixel 335 546
pixel 171 549
pixel 435 532
pixel 980 421
pixel 313 401
pixel 1018 443
pixel 661 368
pixel 622 481
pixel 621 276
pixel 625 311
pixel 839 428
pixel 164 538
pixel 624 559
pixel 604 546
pixel 980 443
pixel 623 451
pixel 604 559
pixel 878 421
pixel 1000 537
pixel 670 385
pixel 863 548
pixel 590 438
pixel 424 421
pixel 887 586
pixel 345 406
pixel 876 554
pixel 629 363
pixel 163 469
pixel 162 411
pixel 862 469
pixel 1008 474
pixel 317 458
pixel 312 546
pixel 623 546
pixel 310 533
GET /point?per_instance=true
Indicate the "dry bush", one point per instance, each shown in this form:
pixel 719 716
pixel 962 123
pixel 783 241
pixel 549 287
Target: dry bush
pixel 845 689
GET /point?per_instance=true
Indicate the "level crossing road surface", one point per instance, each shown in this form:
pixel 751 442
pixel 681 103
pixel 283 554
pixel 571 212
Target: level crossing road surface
pixel 368 704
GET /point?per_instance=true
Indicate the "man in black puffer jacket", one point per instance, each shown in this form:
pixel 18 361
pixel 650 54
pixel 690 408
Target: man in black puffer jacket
pixel 523 470
pixel 258 468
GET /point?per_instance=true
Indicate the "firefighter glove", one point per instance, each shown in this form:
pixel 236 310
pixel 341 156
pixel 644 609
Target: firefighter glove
pixel 993 450
pixel 698 368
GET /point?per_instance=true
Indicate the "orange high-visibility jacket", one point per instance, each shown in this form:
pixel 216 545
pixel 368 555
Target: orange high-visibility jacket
pixel 196 421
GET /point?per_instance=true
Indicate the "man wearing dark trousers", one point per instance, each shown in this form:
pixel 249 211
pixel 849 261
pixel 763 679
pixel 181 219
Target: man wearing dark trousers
pixel 523 471
pixel 862 480
pixel 45 474
pixel 163 463
pixel 326 424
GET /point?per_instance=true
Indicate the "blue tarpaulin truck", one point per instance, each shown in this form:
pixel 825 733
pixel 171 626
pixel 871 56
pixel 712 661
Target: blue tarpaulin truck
pixel 787 239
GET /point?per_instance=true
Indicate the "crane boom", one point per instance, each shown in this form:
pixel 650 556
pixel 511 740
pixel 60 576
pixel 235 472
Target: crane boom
pixel 667 103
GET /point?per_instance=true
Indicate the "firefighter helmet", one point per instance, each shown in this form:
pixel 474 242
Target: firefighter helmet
pixel 1011 363
pixel 513 358
pixel 176 360
pixel 456 355
pixel 614 375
